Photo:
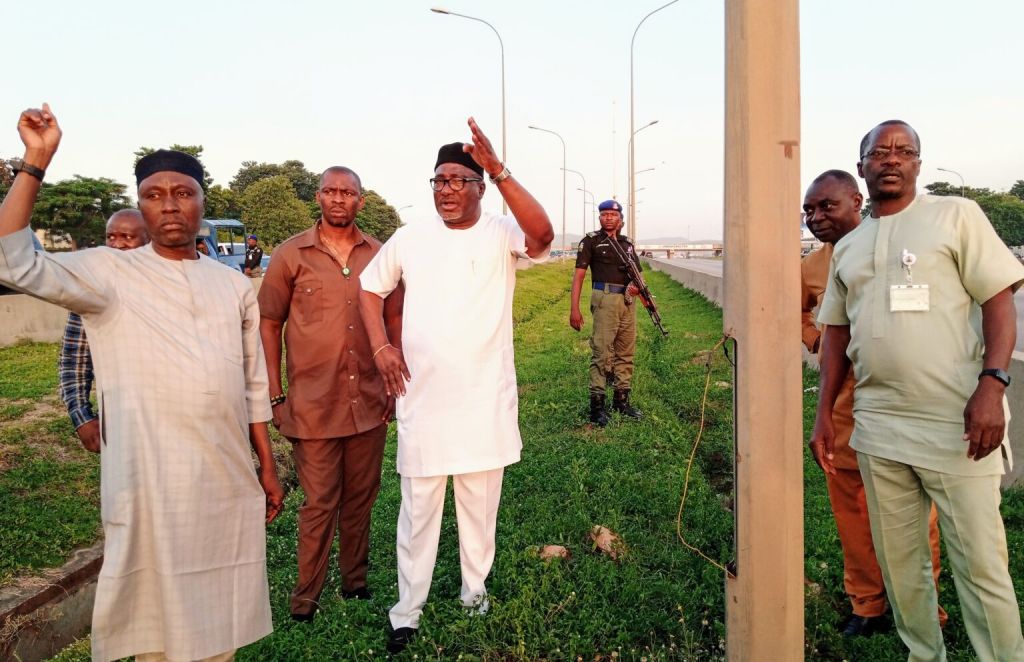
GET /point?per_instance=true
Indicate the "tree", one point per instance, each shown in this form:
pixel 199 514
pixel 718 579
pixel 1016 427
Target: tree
pixel 1017 190
pixel 1005 210
pixel 377 218
pixel 6 177
pixel 79 207
pixel 271 210
pixel 222 203
pixel 1007 215
pixel 304 182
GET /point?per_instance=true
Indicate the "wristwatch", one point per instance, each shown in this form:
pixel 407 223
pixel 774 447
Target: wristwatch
pixel 19 165
pixel 501 176
pixel 996 373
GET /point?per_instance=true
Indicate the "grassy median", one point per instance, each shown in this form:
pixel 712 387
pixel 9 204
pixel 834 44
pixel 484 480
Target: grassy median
pixel 658 600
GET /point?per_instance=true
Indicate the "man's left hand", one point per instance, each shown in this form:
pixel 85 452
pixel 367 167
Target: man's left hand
pixel 984 420
pixel 272 488
pixel 482 151
pixel 632 290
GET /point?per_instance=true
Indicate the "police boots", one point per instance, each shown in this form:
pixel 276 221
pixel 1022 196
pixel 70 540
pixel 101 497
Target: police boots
pixel 598 414
pixel 621 404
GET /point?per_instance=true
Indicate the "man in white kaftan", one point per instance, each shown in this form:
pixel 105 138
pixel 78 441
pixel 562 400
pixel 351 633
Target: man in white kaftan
pixel 458 414
pixel 182 385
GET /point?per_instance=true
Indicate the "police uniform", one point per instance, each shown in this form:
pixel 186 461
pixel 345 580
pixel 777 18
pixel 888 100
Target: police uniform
pixel 613 342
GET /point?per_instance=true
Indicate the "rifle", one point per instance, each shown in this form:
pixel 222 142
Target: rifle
pixel 646 298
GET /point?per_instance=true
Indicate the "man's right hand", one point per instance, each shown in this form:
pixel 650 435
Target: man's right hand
pixel 576 319
pixel 823 443
pixel 89 434
pixel 41 135
pixel 390 363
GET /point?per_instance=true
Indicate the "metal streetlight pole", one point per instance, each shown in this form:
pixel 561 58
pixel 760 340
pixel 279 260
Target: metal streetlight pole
pixel 631 228
pixel 559 136
pixel 584 197
pixel 962 185
pixel 632 114
pixel 593 208
pixel 504 153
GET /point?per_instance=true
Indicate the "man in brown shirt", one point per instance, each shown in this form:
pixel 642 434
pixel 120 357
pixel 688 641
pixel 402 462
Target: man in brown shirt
pixel 336 411
pixel 832 210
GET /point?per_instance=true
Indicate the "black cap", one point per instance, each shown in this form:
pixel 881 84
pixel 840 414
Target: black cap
pixel 453 153
pixel 167 160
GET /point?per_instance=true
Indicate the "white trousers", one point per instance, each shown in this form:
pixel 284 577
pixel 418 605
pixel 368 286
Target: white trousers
pixel 419 530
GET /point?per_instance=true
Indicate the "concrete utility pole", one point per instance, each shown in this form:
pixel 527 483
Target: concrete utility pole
pixel 764 599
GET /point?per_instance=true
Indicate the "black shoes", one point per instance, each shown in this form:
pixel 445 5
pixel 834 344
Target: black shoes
pixel 598 414
pixel 304 618
pixel 361 593
pixel 399 639
pixel 865 626
pixel 621 404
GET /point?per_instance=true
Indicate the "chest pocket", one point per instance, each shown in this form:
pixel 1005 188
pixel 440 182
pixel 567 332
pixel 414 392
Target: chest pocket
pixel 308 300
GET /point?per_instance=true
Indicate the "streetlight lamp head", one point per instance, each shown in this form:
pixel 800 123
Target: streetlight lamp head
pixel 439 10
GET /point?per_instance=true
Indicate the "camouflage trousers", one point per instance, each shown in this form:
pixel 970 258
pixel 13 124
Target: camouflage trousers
pixel 613 343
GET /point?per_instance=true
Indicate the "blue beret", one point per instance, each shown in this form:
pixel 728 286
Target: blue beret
pixel 610 205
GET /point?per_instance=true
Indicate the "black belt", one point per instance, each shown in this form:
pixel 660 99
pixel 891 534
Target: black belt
pixel 609 287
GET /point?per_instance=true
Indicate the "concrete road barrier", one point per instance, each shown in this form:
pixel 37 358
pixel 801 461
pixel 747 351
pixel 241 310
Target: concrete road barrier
pixel 24 318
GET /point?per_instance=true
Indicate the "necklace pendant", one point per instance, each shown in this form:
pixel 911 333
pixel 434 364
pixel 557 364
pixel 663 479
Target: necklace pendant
pixel 345 271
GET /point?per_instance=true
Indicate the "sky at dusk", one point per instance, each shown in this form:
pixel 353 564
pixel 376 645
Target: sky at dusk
pixel 379 86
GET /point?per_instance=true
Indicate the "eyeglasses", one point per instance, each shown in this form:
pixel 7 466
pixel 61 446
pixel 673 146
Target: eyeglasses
pixel 455 183
pixel 348 194
pixel 904 153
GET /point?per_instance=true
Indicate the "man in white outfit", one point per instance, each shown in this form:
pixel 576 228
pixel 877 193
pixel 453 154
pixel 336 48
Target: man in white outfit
pixel 453 371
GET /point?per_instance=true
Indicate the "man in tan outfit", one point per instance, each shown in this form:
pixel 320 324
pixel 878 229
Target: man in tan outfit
pixel 832 207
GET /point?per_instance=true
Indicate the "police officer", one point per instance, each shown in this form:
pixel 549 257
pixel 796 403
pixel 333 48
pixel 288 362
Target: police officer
pixel 253 265
pixel 611 303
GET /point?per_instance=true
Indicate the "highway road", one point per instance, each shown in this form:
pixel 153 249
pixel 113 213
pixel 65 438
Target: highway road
pixel 714 267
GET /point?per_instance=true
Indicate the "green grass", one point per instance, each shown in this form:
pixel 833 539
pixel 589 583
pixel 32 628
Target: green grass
pixel 27 370
pixel 660 601
pixel 50 489
pixel 49 485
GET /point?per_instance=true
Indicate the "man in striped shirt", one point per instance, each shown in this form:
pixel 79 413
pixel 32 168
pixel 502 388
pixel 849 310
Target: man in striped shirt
pixel 125 230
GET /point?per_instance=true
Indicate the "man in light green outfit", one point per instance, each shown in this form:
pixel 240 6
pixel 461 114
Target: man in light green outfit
pixel 920 299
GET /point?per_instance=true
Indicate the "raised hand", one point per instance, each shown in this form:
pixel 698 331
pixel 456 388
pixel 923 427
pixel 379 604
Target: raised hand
pixel 41 135
pixel 482 151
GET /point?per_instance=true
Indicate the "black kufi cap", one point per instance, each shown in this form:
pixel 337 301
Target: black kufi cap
pixel 164 160
pixel 453 153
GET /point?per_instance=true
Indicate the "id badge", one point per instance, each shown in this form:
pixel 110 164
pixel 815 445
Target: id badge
pixel 908 298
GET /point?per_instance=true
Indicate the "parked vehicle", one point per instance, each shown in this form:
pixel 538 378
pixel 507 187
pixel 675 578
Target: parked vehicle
pixel 225 240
